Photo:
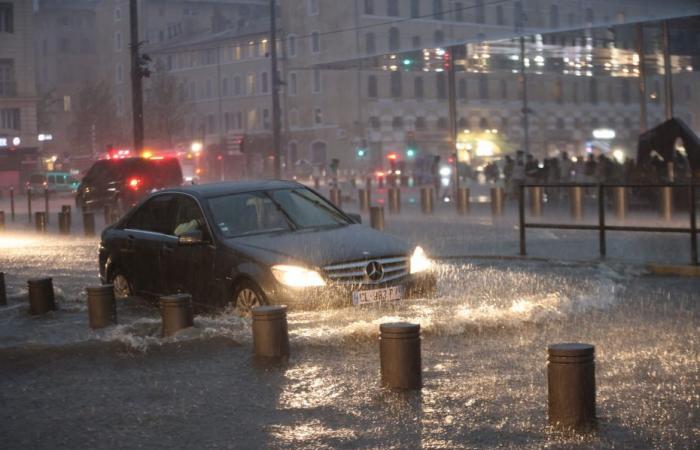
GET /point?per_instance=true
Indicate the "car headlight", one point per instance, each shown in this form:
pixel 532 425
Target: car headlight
pixel 296 276
pixel 419 261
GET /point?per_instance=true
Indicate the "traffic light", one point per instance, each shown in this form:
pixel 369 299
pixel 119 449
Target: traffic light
pixel 392 156
pixel 410 153
pixel 361 152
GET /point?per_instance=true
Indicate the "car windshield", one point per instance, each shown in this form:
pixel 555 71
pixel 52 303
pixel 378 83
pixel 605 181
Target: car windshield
pixel 273 211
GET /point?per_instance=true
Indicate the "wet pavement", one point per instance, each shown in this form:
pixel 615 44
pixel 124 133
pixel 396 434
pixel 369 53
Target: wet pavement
pixel 484 341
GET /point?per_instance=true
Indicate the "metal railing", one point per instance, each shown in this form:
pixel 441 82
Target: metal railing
pixel 602 227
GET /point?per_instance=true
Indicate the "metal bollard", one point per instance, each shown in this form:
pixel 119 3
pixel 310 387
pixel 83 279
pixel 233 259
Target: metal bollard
pixel 426 200
pixel 571 386
pixel 3 291
pixel 2 220
pixel 270 336
pixel 535 201
pixel 363 195
pixel 463 201
pixel 41 296
pixel 29 204
pixel 335 197
pixel 46 203
pixel 620 201
pixel 317 183
pixel 497 201
pixel 399 355
pixel 67 209
pixel 576 199
pixel 64 223
pixel 12 203
pixel 394 199
pixel 666 202
pixel 376 217
pixel 102 309
pixel 176 313
pixel 40 222
pixel 89 224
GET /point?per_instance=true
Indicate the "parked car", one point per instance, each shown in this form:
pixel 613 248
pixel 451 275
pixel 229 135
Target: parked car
pixel 53 181
pixel 122 182
pixel 250 243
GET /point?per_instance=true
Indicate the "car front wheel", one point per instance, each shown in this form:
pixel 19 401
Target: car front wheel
pixel 247 296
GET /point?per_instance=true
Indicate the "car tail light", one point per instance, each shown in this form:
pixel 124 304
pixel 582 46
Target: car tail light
pixel 134 183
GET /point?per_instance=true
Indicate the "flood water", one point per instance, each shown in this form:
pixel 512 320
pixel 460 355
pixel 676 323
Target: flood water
pixel 484 360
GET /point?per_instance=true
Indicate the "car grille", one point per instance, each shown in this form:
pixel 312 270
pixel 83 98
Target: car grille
pixel 355 272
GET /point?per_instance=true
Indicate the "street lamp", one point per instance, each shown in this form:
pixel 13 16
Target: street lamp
pixel 196 147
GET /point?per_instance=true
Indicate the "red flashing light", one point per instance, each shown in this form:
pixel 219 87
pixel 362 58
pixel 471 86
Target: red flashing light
pixel 134 183
pixel 450 160
pixel 392 156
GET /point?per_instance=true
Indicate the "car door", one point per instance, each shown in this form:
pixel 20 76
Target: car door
pixel 189 268
pixel 147 231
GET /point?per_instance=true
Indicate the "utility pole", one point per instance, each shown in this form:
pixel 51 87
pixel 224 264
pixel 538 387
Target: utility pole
pixel 452 111
pixel 668 72
pixel 275 91
pixel 642 82
pixel 526 110
pixel 136 74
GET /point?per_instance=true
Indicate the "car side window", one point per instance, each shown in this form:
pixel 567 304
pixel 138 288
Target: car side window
pixel 188 217
pixel 155 215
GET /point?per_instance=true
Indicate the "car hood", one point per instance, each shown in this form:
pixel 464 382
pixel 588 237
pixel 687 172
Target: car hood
pixel 320 247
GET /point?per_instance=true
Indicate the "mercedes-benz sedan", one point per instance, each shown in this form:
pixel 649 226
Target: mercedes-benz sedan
pixel 250 243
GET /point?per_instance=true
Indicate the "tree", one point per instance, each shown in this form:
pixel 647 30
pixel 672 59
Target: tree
pixel 164 109
pixel 95 122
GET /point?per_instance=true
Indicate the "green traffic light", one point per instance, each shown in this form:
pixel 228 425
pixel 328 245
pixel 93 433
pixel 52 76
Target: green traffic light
pixel 360 153
pixel 410 153
pixel 406 62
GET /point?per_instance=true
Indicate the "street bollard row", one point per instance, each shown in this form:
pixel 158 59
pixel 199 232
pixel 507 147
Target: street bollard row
pixel 426 200
pixel 40 222
pixel 364 199
pixel 376 217
pixel 497 201
pixel 463 201
pixel 270 334
pixel 394 200
pixel 102 307
pixel 176 313
pixel 41 296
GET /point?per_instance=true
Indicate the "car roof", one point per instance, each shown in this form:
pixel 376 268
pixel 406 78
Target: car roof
pixel 232 187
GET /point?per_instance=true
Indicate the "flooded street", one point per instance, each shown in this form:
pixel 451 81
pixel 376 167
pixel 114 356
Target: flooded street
pixel 484 359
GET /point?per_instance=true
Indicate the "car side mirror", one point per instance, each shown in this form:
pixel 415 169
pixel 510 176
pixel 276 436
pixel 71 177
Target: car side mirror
pixel 355 217
pixel 193 237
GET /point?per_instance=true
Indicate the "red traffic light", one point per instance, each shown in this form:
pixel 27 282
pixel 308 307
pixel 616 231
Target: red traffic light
pixel 392 156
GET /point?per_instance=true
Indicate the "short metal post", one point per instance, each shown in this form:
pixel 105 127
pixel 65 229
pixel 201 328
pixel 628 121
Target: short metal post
pixel 363 197
pixel 496 201
pixel 426 200
pixel 693 226
pixel 29 204
pixel 571 386
pixel 40 221
pixel 601 220
pixel 270 335
pixel 176 313
pixel 3 291
pixel 12 203
pixel 89 224
pixel 102 309
pixel 666 203
pixel 535 201
pixel 521 218
pixel 317 183
pixel 64 223
pixel 376 217
pixel 335 197
pixel 46 203
pixel 576 198
pixel 400 355
pixel 463 201
pixel 67 209
pixel 41 296
pixel 394 199
pixel 2 220
pixel 620 200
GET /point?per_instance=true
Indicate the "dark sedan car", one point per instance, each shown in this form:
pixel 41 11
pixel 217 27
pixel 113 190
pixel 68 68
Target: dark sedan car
pixel 250 243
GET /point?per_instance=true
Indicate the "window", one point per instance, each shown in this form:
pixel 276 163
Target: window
pixel 66 103
pixel 374 123
pixel 415 42
pixel 415 8
pixel 370 46
pixel 437 10
pixel 369 7
pixel 7 18
pixel 117 14
pixel 211 123
pixel 420 123
pixel 397 123
pixel 554 16
pixel 589 16
pixel 372 86
pixel 316 82
pixel 518 15
pixel 593 91
pixel 292 153
pixel 483 87
pixel 394 39
pixel 208 89
pixel 7 78
pixel 483 123
pixel 315 42
pixel 626 92
pixel 392 8
pixel 118 41
pixel 292 84
pixel 418 89
pixel 188 217
pixel 500 19
pixel 9 118
pixel 439 37
pixel 291 46
pixel 558 91
pixel 264 88
pixel 155 215
pixel 236 85
pixel 442 123
pixel 313 7
pixel 458 11
pixel 441 85
pixel 462 89
pixel 224 87
pixel 560 123
pixel 480 11
pixel 238 120
pixel 462 124
pixel 318 116
pixel 294 118
pixel 250 82
pixel 120 73
pixel 395 84
pixel 266 119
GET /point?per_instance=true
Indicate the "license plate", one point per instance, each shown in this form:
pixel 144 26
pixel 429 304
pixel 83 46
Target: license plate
pixel 388 294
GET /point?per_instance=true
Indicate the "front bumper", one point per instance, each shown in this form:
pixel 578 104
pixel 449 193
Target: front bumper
pixel 340 295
